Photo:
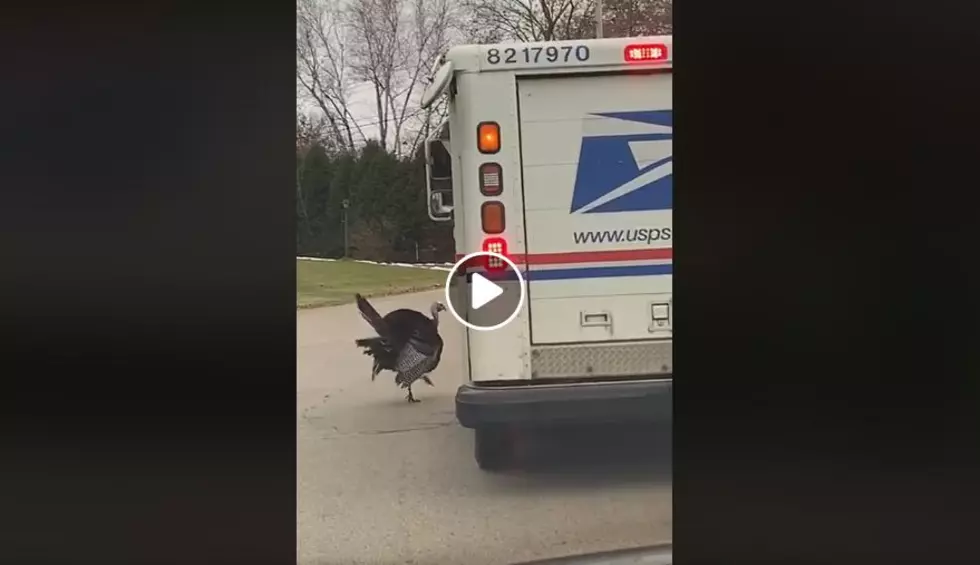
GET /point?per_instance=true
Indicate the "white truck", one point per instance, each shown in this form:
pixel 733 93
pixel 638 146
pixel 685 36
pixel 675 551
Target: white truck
pixel 558 155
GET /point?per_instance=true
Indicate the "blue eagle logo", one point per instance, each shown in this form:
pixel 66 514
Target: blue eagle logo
pixel 626 172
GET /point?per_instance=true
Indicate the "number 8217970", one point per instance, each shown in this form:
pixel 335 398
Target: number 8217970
pixel 538 55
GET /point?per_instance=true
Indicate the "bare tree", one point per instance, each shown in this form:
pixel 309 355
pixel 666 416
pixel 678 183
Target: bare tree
pixel 436 27
pixel 530 20
pixel 376 29
pixel 630 18
pixel 493 21
pixel 312 129
pixel 394 44
pixel 323 68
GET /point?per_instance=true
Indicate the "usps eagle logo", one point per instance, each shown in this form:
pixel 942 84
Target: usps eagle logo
pixel 625 163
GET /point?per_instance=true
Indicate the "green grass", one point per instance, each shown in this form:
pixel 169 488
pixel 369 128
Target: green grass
pixel 328 283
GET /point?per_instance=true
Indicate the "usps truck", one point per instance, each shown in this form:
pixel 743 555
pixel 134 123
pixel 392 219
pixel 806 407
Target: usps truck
pixel 558 155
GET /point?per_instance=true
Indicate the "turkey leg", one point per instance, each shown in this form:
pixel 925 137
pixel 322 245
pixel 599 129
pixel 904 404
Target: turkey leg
pixel 410 397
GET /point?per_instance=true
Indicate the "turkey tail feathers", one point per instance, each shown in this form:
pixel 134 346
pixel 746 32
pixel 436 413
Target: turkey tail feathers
pixel 368 342
pixel 376 348
pixel 371 316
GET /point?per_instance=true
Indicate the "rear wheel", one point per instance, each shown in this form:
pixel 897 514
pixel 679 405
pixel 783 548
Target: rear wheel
pixel 493 448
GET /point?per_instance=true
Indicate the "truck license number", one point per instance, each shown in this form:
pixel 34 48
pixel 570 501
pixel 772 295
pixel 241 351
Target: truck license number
pixel 536 55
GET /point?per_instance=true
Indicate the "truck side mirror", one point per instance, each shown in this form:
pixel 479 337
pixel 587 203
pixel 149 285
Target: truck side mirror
pixel 439 180
pixel 439 210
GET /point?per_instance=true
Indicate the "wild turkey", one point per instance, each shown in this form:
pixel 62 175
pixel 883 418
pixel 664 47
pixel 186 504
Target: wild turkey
pixel 408 343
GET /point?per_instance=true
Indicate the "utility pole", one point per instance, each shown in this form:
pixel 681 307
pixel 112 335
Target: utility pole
pixel 346 205
pixel 598 19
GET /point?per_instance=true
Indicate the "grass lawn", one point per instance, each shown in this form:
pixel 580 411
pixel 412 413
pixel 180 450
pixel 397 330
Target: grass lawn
pixel 328 283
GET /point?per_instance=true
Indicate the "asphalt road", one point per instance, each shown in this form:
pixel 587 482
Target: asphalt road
pixel 382 481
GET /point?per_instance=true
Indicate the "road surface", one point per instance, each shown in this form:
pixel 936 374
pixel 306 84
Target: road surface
pixel 382 481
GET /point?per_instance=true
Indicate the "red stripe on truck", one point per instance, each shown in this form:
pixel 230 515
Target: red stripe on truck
pixel 586 256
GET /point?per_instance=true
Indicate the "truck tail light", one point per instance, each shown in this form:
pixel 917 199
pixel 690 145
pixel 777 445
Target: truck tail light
pixel 492 217
pixel 496 245
pixel 488 137
pixel 645 52
pixel 491 183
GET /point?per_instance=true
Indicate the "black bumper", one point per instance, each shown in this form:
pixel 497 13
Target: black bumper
pixel 653 555
pixel 480 406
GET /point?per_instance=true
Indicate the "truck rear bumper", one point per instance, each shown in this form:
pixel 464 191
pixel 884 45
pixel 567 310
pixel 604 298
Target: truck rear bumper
pixel 479 406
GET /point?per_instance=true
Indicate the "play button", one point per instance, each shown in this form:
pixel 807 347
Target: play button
pixel 482 291
pixel 483 299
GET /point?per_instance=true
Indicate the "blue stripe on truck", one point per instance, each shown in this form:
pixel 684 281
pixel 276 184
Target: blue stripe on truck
pixel 585 273
pixel 599 272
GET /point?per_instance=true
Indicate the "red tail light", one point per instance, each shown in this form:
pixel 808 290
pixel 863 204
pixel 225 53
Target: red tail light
pixel 492 217
pixel 495 245
pixel 645 52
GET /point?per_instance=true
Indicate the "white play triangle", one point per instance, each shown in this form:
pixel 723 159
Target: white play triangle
pixel 482 291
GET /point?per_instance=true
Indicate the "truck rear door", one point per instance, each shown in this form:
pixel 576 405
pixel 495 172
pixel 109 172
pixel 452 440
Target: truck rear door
pixel 598 196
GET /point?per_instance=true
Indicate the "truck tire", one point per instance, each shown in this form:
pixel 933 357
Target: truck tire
pixel 492 448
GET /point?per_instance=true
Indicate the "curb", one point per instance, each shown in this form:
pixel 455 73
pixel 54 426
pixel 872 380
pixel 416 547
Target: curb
pixel 433 266
pixel 392 292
